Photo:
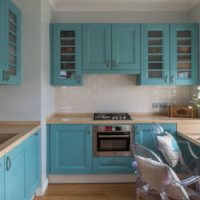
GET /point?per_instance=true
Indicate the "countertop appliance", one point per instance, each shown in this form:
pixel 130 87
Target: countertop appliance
pixel 112 116
pixel 112 140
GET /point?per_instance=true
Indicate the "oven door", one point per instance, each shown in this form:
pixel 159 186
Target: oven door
pixel 112 144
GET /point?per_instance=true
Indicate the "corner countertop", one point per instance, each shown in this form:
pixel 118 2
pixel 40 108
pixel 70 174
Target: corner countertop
pixel 22 130
pixel 192 137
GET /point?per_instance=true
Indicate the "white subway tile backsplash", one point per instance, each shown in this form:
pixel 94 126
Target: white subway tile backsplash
pixel 116 93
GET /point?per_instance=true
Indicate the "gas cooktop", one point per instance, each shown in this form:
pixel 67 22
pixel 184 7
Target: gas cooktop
pixel 112 116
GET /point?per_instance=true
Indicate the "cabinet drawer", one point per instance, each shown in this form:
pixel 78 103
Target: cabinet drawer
pixel 112 165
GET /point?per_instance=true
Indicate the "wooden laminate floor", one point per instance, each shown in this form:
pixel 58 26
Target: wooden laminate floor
pixel 89 192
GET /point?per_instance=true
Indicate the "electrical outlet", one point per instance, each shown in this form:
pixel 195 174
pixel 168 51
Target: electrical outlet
pixel 160 105
pixel 163 105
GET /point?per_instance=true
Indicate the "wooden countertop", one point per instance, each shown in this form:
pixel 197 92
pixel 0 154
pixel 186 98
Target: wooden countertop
pixel 22 130
pixel 192 137
pixel 189 128
pixel 88 119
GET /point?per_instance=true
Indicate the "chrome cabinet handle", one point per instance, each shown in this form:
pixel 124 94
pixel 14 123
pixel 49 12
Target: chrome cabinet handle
pixel 166 78
pixel 78 79
pixel 108 63
pixel 87 130
pixel 8 76
pixel 172 78
pixel 8 163
pixel 112 162
pixel 4 75
pixel 113 63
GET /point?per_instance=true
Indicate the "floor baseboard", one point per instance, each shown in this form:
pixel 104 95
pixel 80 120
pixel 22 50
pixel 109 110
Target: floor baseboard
pixel 40 191
pixel 92 178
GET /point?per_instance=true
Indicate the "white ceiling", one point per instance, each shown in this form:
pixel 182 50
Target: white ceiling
pixel 123 5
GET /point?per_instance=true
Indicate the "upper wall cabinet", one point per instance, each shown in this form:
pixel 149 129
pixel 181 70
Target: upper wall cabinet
pixel 10 50
pixel 169 54
pixel 184 54
pixel 155 54
pixel 111 48
pixel 66 49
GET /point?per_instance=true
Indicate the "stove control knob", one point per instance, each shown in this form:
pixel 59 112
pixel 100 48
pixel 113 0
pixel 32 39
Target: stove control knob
pixel 118 128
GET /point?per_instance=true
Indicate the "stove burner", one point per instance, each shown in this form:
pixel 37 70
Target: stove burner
pixel 112 116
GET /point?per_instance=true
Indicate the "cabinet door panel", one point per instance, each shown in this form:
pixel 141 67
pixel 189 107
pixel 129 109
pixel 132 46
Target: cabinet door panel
pixel 126 47
pixel 143 134
pixel 66 54
pixel 13 57
pixel 155 54
pixel 70 149
pixel 2 178
pixel 32 164
pixel 186 152
pixel 15 174
pixel 97 47
pixel 184 54
pixel 2 42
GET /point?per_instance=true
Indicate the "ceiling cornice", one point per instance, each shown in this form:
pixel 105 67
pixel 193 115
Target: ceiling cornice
pixel 118 5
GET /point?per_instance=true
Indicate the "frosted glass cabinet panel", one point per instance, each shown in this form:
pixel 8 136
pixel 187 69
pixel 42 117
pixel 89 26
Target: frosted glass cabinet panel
pixel 66 54
pixel 10 30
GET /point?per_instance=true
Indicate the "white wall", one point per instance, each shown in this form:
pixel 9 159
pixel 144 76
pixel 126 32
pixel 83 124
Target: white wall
pixel 47 92
pixel 34 98
pixel 195 13
pixel 195 17
pixel 117 93
pixel 120 17
pixel 23 102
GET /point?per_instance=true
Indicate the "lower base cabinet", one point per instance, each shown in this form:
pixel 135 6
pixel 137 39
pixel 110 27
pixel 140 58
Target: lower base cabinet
pixel 2 178
pixel 185 151
pixel 19 170
pixel 70 149
pixel 70 152
pixel 32 164
pixel 144 136
pixel 112 165
pixel 15 173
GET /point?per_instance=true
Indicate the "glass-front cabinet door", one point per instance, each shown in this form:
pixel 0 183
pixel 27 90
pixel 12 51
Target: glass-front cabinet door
pixel 66 54
pixel 10 44
pixel 154 54
pixel 184 54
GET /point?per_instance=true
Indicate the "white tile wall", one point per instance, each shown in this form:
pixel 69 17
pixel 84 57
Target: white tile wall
pixel 116 93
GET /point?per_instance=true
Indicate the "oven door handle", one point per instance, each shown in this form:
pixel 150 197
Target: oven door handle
pixel 113 136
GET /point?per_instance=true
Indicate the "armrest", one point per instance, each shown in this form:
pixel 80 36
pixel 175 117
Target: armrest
pixel 189 148
pixel 191 180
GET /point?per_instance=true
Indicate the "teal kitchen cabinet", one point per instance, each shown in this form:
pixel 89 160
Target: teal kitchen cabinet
pixel 111 48
pixel 20 170
pixel 169 54
pixel 113 165
pixel 70 149
pixel 10 47
pixel 97 47
pixel 184 45
pixel 15 173
pixel 66 54
pixel 126 47
pixel 154 54
pixel 32 150
pixel 185 151
pixel 2 178
pixel 143 134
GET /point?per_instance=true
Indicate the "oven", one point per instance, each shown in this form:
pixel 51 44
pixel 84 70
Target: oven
pixel 112 140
